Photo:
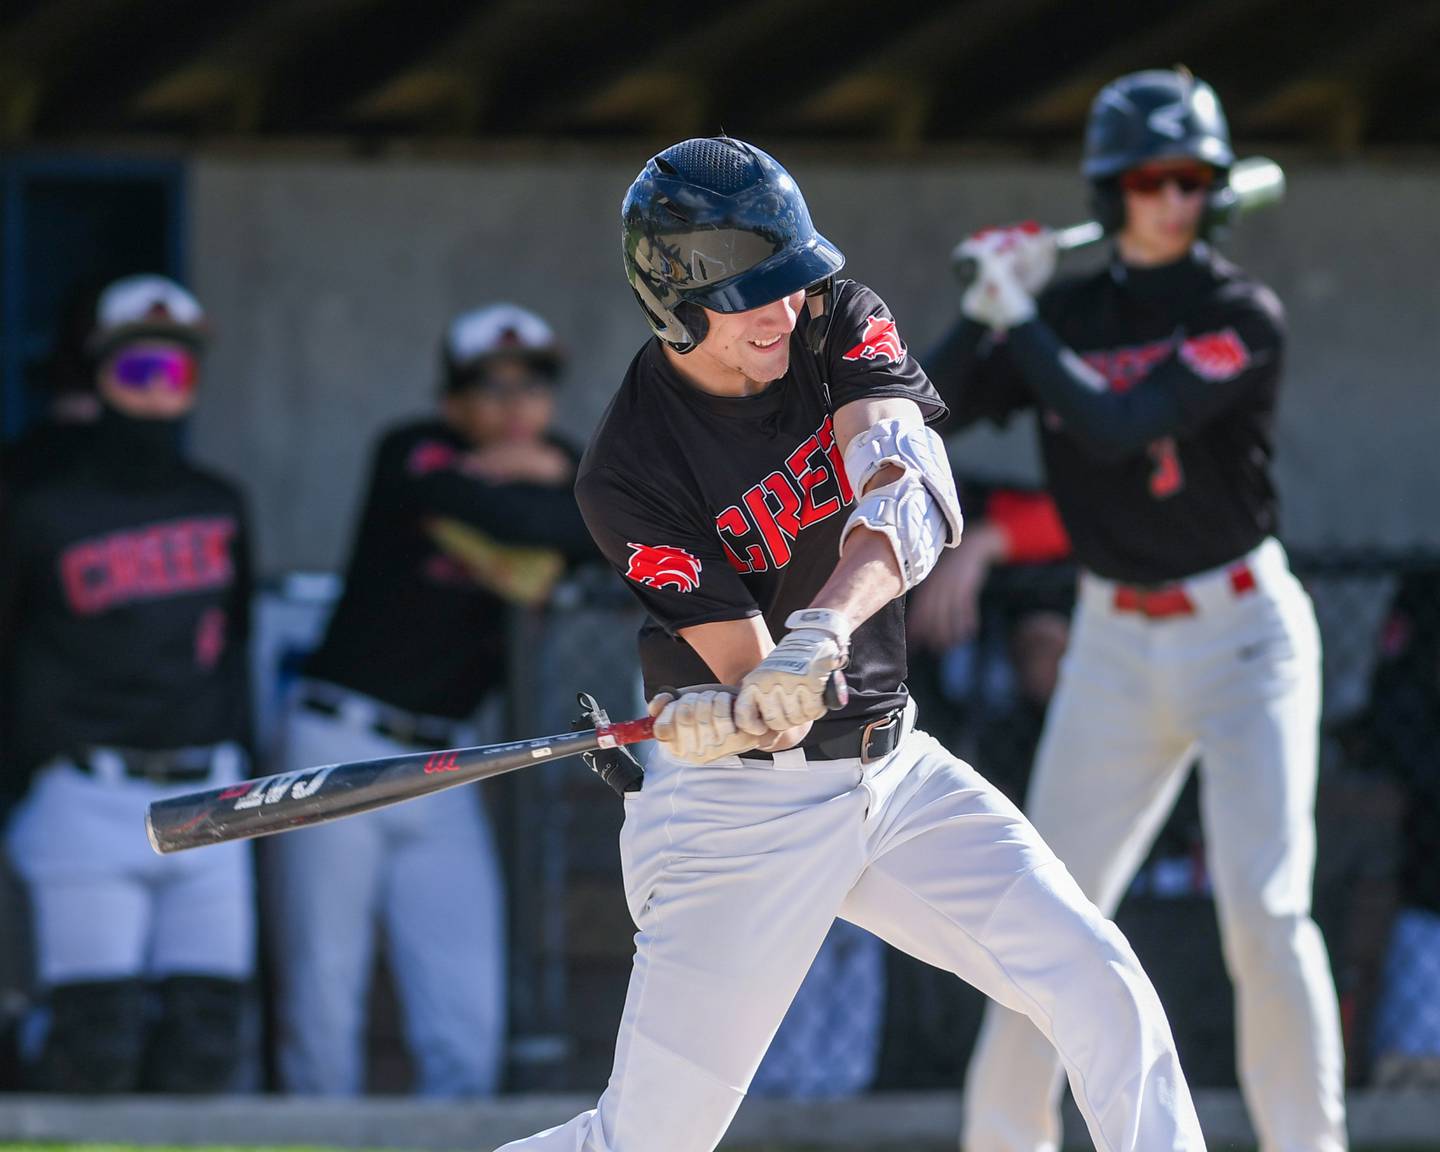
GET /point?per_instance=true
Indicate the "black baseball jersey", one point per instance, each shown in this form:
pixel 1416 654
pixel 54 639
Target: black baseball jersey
pixel 1157 390
pixel 721 508
pixel 125 578
pixel 422 621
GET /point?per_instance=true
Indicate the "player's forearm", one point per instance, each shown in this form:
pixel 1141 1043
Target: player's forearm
pixel 526 514
pixel 864 581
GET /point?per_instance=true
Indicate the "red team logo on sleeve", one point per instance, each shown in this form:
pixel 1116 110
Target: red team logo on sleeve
pixel 430 456
pixel 1216 356
pixel 879 341
pixel 664 566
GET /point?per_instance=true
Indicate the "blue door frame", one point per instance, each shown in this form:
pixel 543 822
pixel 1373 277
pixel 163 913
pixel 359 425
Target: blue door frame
pixel 19 175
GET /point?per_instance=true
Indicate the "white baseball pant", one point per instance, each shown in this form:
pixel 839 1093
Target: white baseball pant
pixel 1239 682
pixel 106 907
pixel 733 873
pixel 427 871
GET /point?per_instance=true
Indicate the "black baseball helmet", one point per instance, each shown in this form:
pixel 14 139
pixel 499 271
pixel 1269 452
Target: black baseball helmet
pixel 1158 114
pixel 716 223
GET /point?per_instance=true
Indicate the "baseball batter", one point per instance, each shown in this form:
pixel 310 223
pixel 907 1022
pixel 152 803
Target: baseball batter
pixel 1157 380
pixel 765 471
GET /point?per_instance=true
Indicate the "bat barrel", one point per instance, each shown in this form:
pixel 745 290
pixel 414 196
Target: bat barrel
pixel 1257 183
pixel 295 799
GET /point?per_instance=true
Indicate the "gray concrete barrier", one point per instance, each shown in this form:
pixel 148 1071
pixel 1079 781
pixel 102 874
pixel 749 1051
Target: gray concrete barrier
pixel 914 1121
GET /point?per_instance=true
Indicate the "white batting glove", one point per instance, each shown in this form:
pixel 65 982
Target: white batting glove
pixel 787 688
pixel 698 725
pixel 1029 248
pixel 997 299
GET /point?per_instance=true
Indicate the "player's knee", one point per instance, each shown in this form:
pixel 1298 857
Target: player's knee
pixel 1257 940
pixel 1085 956
pixel 95 1039
pixel 196 1044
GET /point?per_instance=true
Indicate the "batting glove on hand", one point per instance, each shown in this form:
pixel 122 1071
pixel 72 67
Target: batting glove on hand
pixel 1029 248
pixel 698 724
pixel 997 299
pixel 787 688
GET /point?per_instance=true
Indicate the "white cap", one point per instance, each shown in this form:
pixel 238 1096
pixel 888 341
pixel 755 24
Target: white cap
pixel 146 306
pixel 500 330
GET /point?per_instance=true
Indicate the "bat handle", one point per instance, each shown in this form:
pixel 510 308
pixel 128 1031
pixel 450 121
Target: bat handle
pixel 626 732
pixel 837 695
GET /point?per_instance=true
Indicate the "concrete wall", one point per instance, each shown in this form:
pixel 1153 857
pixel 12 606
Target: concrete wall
pixel 914 1121
pixel 329 282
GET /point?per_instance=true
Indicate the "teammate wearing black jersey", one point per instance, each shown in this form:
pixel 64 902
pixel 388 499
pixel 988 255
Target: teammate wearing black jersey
pixel 1156 380
pixel 124 608
pixel 775 423
pixel 465 514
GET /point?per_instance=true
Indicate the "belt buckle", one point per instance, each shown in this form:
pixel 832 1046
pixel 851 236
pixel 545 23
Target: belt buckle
pixel 884 724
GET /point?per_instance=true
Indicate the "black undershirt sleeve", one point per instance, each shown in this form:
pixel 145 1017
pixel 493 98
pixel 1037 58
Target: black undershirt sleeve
pixel 1207 374
pixel 975 376
pixel 512 513
pixel 1108 425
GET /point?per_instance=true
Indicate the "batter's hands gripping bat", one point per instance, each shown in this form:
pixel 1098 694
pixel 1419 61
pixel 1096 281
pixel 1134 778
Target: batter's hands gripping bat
pixel 294 799
pixel 314 795
pixel 1254 183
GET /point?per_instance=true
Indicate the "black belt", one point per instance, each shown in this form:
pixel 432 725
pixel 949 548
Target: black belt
pixel 159 766
pixel 402 727
pixel 868 743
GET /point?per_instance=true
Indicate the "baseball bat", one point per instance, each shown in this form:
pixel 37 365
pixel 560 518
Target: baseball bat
pixel 1254 183
pixel 314 795
pixel 289 800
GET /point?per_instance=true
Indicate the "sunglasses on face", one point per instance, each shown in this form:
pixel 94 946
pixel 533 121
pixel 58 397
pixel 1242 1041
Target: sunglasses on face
pixel 140 368
pixel 1149 181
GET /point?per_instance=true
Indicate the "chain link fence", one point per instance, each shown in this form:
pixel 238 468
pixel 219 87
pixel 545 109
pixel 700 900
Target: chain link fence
pixel 868 1018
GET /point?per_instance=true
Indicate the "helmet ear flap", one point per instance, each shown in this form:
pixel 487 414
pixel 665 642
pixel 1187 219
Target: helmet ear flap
pixel 1107 205
pixel 681 327
pixel 692 318
pixel 1219 210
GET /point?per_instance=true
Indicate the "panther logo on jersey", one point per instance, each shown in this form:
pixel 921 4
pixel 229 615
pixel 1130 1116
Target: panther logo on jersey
pixel 1216 356
pixel 879 341
pixel 664 566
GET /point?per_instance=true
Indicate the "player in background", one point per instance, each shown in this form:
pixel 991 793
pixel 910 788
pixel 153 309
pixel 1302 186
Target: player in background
pixel 1156 381
pixel 765 473
pixel 124 625
pixel 467 512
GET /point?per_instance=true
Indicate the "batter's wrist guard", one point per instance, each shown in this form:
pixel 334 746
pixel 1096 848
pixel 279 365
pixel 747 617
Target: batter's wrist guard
pixel 826 620
pixel 616 766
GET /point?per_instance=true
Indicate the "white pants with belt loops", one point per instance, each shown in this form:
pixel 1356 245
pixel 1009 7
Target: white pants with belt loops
pixel 733 874
pixel 1239 680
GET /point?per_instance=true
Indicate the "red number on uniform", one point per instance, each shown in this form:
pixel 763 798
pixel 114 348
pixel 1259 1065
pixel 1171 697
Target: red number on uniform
pixel 1167 477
